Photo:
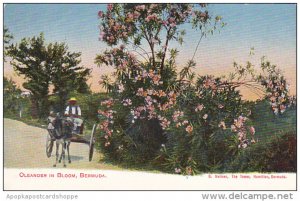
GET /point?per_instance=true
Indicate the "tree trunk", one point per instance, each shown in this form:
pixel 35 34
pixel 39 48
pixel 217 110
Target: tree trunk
pixel 34 108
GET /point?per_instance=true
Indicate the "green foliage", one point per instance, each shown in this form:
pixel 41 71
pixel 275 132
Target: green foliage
pixel 6 40
pixel 277 154
pixel 13 102
pixel 66 74
pixel 44 64
pixel 11 96
pixel 28 59
pixel 173 119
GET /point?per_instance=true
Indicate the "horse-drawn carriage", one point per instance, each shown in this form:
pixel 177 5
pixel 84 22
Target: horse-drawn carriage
pixel 61 131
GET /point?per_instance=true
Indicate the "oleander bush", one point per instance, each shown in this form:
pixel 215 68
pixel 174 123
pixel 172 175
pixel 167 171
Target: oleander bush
pixel 166 117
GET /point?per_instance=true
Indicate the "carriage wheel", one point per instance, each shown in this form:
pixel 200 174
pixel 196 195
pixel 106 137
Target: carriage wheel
pixel 92 143
pixel 49 146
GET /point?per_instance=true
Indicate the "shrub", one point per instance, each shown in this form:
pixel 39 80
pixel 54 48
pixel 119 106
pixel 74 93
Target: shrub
pixel 278 154
pixel 163 116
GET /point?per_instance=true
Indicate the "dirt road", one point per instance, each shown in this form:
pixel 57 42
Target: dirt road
pixel 24 147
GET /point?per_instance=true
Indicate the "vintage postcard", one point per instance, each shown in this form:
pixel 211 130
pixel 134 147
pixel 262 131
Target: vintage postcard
pixel 149 96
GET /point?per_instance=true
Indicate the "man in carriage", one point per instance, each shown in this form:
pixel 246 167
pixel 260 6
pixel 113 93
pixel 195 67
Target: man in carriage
pixel 73 112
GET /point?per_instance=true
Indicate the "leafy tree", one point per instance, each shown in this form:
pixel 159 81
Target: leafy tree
pixel 147 79
pixel 66 75
pixel 42 65
pixel 6 39
pixel 28 59
pixel 11 96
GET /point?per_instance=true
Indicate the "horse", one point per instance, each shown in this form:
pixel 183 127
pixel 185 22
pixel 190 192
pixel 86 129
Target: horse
pixel 61 133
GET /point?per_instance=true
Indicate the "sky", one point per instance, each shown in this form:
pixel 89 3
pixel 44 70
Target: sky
pixel 269 28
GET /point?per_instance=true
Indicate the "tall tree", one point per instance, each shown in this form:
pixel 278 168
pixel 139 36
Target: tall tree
pixel 66 73
pixel 28 59
pixel 44 64
pixel 6 40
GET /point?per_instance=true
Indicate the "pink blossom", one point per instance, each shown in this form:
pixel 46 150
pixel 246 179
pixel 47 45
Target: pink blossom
pixel 176 115
pixel 140 7
pixel 282 108
pixel 136 14
pixel 109 6
pixel 185 122
pixel 189 129
pixel 107 144
pixel 140 92
pixel 102 35
pixel 100 14
pixel 252 130
pixel 205 116
pixel 121 88
pixel 177 170
pixel 165 23
pixel 164 122
pixel 172 25
pixel 127 102
pixel 222 125
pixel 171 19
pixel 150 92
pixel 233 128
pixel 199 107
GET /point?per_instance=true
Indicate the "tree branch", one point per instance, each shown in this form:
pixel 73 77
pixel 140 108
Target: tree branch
pixel 165 50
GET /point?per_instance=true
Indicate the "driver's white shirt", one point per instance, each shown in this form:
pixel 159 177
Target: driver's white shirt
pixel 73 110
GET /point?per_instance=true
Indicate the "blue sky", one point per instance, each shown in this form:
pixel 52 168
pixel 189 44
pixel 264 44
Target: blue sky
pixel 269 28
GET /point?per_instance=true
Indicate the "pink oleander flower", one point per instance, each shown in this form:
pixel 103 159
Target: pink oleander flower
pixel 205 116
pixel 156 79
pixel 233 128
pixel 178 125
pixel 282 108
pixel 150 92
pixel 171 19
pixel 107 144
pixel 177 170
pixel 189 129
pixel 222 125
pixel 273 98
pixel 130 16
pixel 140 7
pixel 108 103
pixel 199 108
pixel 185 122
pixel 151 74
pixel 208 83
pixel 102 35
pixel 140 92
pixel 100 14
pixel 172 25
pixel 109 7
pixel 121 88
pixel 189 170
pixel 252 130
pixel 164 122
pixel 161 93
pixel 127 102
pixel 136 14
pixel 165 23
pixel 148 100
pixel 275 111
pixel 176 115
pixel 220 106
